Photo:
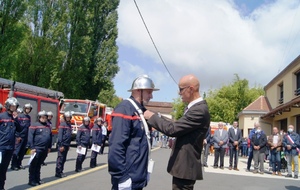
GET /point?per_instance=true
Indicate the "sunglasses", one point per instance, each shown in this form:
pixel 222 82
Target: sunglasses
pixel 181 89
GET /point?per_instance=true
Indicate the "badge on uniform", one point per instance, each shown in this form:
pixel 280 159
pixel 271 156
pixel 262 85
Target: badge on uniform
pixel 41 130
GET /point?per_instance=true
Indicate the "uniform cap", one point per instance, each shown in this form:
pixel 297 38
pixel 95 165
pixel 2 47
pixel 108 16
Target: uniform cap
pixel 143 83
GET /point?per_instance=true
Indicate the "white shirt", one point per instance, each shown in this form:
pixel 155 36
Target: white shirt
pixel 193 103
pixel 235 131
pixel 221 130
pixel 275 139
pixel 104 130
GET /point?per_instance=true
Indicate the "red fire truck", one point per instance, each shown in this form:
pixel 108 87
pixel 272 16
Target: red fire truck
pixel 39 98
pixel 82 108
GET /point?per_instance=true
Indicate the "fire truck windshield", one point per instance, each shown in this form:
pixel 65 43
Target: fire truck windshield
pixel 75 107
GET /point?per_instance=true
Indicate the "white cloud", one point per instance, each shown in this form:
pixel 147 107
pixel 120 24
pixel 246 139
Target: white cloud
pixel 212 39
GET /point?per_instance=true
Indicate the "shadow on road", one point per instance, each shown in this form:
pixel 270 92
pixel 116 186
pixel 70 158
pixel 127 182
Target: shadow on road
pixel 292 187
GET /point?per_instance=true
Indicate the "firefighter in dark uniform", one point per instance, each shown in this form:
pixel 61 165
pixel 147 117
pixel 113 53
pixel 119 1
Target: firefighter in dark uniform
pixel 39 141
pixel 8 127
pixel 49 118
pixel 128 145
pixel 63 144
pixel 82 140
pixel 96 140
pixel 21 138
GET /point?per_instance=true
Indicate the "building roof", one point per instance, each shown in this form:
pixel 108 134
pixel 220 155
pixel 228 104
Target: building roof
pixel 162 107
pixel 294 103
pixel 260 104
pixel 294 63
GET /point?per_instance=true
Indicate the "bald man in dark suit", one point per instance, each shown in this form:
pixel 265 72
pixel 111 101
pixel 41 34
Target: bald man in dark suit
pixel 185 161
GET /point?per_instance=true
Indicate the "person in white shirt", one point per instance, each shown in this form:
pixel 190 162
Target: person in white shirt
pixel 104 136
pixel 275 144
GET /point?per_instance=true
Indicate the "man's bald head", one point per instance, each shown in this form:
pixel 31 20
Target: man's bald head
pixel 190 80
pixel 189 87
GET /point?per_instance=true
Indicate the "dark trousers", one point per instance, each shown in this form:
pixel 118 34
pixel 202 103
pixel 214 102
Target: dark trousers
pixel 79 160
pixel 182 184
pixel 61 159
pixel 93 162
pixel 35 166
pixel 6 157
pixel 234 154
pixel 250 158
pixel 219 153
pixel 206 152
pixel 18 155
pixel 103 144
pixel 275 159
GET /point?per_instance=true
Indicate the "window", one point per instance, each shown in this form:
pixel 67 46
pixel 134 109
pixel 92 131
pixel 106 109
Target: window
pixel 24 100
pixel 297 91
pixel 280 93
pixel 53 107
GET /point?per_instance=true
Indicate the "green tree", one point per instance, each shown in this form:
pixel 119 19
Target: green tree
pixel 12 32
pixel 225 103
pixel 65 45
pixel 178 108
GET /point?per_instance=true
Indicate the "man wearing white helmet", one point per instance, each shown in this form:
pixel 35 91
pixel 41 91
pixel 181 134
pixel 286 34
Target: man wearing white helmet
pixel 83 141
pixel 128 145
pixel 39 141
pixel 49 118
pixel 21 138
pixel 8 127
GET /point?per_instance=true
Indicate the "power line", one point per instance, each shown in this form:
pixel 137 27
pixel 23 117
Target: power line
pixel 154 42
pixel 287 47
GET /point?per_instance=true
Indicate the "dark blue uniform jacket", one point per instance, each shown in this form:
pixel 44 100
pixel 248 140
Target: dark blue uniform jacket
pixel 24 121
pixel 83 136
pixel 64 134
pixel 8 128
pixel 128 146
pixel 97 135
pixel 39 136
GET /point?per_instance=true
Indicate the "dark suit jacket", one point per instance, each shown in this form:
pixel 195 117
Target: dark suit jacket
pixel 190 130
pixel 260 141
pixel 234 137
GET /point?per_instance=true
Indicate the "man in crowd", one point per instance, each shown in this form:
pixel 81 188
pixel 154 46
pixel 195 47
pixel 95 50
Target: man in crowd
pixel 291 145
pixel 63 143
pixel 259 142
pixel 83 141
pixel 207 144
pixel 8 127
pixel 24 120
pixel 275 143
pixel 190 130
pixel 220 144
pixel 39 141
pixel 96 140
pixel 235 138
pixel 250 157
pixel 104 135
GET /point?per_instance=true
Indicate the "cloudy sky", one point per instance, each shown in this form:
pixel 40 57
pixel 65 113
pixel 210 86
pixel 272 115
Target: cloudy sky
pixel 211 39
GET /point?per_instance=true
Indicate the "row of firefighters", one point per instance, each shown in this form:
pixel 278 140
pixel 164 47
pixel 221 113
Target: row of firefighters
pixel 18 135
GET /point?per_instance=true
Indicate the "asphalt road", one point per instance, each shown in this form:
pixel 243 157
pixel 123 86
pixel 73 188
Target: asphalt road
pixel 99 178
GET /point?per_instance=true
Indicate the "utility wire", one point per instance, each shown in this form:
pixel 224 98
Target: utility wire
pixel 287 47
pixel 154 42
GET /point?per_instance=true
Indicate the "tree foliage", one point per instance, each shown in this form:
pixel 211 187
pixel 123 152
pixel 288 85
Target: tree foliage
pixel 65 45
pixel 225 103
pixel 178 108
